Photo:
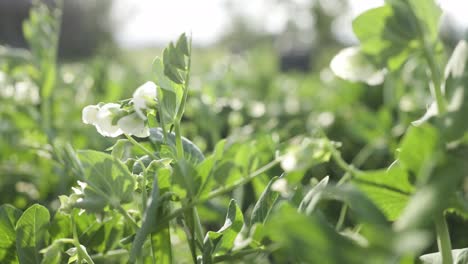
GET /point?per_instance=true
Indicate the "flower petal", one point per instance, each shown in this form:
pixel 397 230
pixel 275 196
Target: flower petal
pixel 89 114
pixel 351 64
pixel 133 125
pixel 142 95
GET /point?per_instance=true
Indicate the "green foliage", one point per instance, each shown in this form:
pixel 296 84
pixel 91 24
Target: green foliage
pixel 9 216
pixel 31 231
pixel 108 181
pixel 202 184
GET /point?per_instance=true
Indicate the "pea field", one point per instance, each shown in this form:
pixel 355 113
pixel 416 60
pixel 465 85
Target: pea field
pixel 192 155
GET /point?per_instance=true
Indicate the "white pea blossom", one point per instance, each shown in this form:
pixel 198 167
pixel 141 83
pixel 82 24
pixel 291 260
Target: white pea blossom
pixel 102 116
pixel 133 125
pixel 89 114
pixel 143 96
pixel 103 122
pixel 351 64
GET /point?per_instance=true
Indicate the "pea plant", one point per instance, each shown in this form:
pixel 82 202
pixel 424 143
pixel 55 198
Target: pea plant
pixel 154 195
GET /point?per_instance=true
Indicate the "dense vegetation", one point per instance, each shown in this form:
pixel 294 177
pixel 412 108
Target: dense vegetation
pixel 230 160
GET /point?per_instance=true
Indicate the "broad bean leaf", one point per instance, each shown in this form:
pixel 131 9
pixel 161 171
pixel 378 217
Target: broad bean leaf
pixel 31 231
pixel 109 182
pixel 9 215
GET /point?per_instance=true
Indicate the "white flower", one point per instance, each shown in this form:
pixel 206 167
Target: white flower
pixel 89 114
pixel 142 96
pixel 102 117
pixel 103 122
pixel 281 186
pixel 289 162
pixel 133 125
pixel 351 64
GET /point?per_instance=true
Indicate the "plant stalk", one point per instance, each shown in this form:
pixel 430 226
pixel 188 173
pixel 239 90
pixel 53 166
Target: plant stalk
pixel 443 239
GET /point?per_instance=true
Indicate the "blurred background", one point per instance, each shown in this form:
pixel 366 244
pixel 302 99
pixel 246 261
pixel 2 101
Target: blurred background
pixel 260 72
pixel 291 25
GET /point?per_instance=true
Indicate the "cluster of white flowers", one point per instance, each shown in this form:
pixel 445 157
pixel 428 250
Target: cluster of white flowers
pixel 103 116
pixel 22 91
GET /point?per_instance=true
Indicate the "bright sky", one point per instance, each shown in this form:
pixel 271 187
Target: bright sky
pixel 149 22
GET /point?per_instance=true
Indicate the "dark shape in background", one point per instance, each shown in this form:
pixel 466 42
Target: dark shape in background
pixel 85 26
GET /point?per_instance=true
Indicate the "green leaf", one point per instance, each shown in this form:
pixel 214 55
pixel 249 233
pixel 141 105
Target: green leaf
pixel 108 180
pixel 9 215
pixel 362 207
pixel 182 45
pixel 388 189
pixel 418 148
pixel 168 106
pixel 173 74
pixel 161 79
pixel 392 32
pixel 231 228
pixel 161 245
pixel 428 15
pixel 186 177
pixel 453 123
pixel 150 216
pixel 52 253
pixel 436 195
pixel 311 199
pixel 387 43
pixel 176 58
pixel 207 167
pixel 309 239
pixel 264 204
pixel 192 152
pixel 119 148
pixel 31 231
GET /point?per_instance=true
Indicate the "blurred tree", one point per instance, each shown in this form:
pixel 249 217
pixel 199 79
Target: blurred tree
pixel 85 25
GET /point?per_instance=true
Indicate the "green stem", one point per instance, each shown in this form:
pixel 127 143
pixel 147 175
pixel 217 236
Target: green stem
pixel 341 220
pixel 349 169
pixel 219 191
pixel 144 195
pixel 77 244
pixel 178 140
pixel 145 150
pixel 436 81
pixel 434 69
pixel 443 239
pixel 161 118
pixel 128 217
pixel 112 254
pixel 239 255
